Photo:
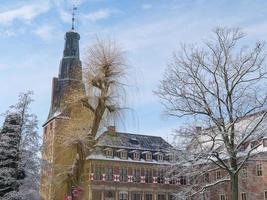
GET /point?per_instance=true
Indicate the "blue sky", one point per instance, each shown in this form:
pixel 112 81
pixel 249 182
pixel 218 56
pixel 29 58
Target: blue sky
pixel 32 38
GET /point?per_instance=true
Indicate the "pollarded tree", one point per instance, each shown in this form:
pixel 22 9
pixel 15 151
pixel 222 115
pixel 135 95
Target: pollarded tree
pixel 10 138
pixel 218 85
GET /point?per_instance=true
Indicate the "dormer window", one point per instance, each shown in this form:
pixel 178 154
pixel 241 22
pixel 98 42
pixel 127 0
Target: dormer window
pixel 136 155
pixel 123 154
pixel 254 143
pixel 159 156
pixel 148 155
pixel 170 157
pixel 109 152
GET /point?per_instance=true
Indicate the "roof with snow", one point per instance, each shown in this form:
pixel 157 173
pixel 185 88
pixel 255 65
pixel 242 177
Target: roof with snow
pixel 133 141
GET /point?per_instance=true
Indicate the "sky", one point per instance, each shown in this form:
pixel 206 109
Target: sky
pixel 32 39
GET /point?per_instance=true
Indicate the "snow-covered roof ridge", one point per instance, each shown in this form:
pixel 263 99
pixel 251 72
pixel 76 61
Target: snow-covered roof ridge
pixel 133 141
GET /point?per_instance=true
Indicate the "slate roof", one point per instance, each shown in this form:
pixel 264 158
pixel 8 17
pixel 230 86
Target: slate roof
pixel 133 141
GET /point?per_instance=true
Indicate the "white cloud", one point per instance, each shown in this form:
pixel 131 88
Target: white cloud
pixel 146 6
pixel 100 14
pixel 24 13
pixel 45 31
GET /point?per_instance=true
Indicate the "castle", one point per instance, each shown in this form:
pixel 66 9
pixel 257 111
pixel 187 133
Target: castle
pixel 119 166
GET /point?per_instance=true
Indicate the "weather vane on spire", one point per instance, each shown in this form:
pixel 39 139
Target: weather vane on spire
pixel 73 16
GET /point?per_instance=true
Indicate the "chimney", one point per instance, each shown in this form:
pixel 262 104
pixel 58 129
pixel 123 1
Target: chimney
pixel 112 130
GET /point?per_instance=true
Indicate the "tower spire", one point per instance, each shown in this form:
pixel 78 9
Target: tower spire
pixel 73 16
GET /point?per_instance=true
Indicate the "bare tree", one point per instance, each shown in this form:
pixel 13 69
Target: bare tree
pixel 222 87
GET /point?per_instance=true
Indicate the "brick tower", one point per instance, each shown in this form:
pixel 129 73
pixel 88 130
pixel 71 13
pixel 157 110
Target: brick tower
pixel 66 118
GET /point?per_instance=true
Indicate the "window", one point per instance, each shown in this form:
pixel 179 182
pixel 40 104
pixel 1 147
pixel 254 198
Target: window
pixel 98 173
pixel 109 194
pixel 109 153
pixel 136 175
pixel 264 142
pixel 183 180
pixel 244 172
pixel 161 176
pixel 136 155
pixel 109 174
pixel 254 143
pixel 244 196
pixel 161 197
pixel 124 154
pixel 136 196
pixel 171 197
pixel 222 197
pixel 148 156
pixel 148 176
pixel 170 157
pixel 148 197
pixel 123 196
pixel 207 177
pixel 123 175
pixel 218 175
pixel 160 157
pixel 259 169
pixel 265 195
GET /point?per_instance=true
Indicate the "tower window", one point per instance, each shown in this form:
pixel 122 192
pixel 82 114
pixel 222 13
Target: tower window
pixel 222 197
pixel 218 175
pixel 259 169
pixel 244 172
pixel 244 196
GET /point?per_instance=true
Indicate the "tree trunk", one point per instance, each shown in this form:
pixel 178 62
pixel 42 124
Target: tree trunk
pixel 234 186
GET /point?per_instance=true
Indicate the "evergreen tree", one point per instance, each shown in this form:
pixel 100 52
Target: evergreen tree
pixel 28 155
pixel 29 149
pixel 9 154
